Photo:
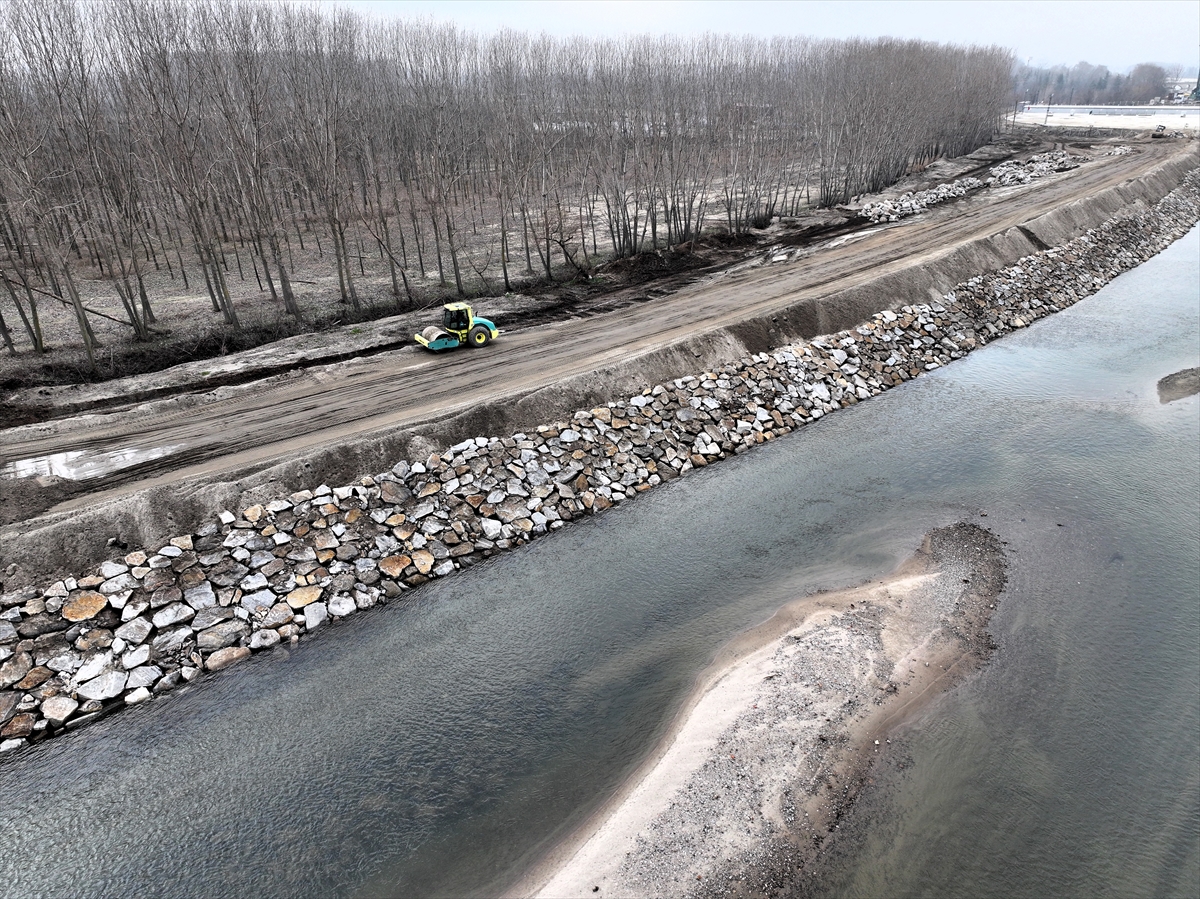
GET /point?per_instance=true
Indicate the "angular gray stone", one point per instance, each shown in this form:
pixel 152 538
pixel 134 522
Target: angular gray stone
pixel 511 509
pixel 66 662
pixel 93 666
pixel 119 584
pixel 133 609
pixel 9 700
pixel 110 570
pixel 164 596
pixel 58 709
pixel 421 511
pixel 206 618
pixel 252 582
pixel 200 596
pixel 173 614
pixel 14 669
pixel 228 574
pixel 221 635
pixel 145 676
pixel 261 558
pixel 262 599
pixel 43 623
pixel 135 657
pixel 8 633
pixel 135 631
pixel 169 641
pixel 106 686
pixel 133 697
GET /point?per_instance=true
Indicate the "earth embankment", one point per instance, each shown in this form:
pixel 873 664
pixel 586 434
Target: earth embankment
pixel 239 445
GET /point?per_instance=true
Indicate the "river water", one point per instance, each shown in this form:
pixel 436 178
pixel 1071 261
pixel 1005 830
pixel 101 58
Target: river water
pixel 437 747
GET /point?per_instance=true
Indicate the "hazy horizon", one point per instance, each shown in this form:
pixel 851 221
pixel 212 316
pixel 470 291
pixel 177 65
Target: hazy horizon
pixel 1112 33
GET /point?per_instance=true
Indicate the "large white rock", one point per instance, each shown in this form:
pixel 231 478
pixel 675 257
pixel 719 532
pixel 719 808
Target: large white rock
pixel 200 597
pixel 112 569
pixel 315 614
pixel 173 614
pixel 93 666
pixel 260 599
pixel 341 606
pixel 58 709
pixel 264 639
pixel 145 676
pixel 119 584
pixel 135 631
pixel 106 686
pixel 136 657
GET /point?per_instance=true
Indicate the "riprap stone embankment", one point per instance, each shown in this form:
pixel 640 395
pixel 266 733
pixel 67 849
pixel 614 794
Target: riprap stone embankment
pixel 248 581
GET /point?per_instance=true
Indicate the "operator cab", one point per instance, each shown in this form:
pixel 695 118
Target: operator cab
pixel 456 319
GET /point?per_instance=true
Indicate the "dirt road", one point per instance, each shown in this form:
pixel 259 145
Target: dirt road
pixel 250 426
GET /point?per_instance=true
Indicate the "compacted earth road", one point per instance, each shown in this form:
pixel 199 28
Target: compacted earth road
pixel 221 433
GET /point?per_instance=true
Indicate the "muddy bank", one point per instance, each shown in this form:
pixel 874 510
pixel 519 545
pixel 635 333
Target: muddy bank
pixel 746 790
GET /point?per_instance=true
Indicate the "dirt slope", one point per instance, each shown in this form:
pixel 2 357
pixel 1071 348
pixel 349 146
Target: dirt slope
pixel 337 422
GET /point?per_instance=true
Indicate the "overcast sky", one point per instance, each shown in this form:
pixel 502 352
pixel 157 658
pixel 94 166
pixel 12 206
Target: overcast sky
pixel 1115 33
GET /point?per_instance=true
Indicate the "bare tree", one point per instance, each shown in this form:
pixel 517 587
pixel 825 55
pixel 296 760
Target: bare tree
pixel 242 139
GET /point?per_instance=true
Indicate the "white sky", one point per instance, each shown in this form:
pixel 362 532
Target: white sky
pixel 1115 33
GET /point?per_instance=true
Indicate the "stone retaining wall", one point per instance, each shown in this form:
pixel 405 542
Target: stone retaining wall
pixel 61 543
pixel 270 573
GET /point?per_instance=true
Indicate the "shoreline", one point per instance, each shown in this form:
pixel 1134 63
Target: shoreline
pixel 779 733
pixel 269 573
pixel 778 305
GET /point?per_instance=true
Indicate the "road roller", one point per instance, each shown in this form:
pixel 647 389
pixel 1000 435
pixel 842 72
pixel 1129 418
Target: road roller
pixel 460 327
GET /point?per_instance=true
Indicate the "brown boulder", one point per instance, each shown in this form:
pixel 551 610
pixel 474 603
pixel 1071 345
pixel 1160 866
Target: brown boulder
pixel 84 606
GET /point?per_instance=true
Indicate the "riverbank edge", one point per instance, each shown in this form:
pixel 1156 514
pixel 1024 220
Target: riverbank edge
pixel 778 736
pixel 85 646
pixel 73 538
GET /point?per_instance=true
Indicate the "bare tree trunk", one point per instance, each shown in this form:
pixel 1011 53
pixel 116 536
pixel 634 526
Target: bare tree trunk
pixel 4 332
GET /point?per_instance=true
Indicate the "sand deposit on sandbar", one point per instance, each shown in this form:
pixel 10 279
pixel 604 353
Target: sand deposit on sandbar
pixel 781 731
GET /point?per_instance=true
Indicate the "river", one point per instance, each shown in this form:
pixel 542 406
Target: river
pixel 439 746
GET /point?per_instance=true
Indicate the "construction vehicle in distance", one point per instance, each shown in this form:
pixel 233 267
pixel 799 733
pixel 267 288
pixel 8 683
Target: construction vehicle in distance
pixel 460 327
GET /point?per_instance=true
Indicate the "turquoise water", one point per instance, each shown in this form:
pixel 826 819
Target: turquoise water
pixel 437 747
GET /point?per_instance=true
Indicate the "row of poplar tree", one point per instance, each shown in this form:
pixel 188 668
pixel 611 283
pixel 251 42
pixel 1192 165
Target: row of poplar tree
pixel 198 138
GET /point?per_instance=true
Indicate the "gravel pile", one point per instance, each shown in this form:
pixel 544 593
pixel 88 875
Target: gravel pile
pixel 1013 172
pixel 252 579
pixel 913 203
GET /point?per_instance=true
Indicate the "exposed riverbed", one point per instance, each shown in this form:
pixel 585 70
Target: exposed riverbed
pixel 439 747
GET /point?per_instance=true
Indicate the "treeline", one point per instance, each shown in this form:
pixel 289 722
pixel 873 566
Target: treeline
pixel 1088 85
pixel 210 137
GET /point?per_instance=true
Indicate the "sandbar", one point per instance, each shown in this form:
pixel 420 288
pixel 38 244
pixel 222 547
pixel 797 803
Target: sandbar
pixel 780 732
